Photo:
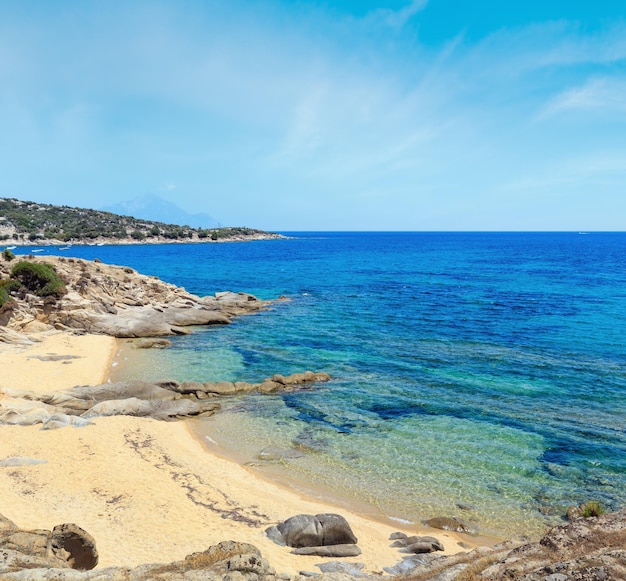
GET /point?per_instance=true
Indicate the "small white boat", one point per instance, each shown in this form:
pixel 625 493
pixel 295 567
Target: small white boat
pixel 65 248
pixel 11 247
pixel 38 250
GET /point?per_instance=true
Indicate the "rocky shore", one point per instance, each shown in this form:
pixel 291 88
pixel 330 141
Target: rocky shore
pixel 116 301
pixel 132 487
pixel 592 549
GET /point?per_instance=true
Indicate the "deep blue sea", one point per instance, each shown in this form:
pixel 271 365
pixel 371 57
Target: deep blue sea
pixel 481 369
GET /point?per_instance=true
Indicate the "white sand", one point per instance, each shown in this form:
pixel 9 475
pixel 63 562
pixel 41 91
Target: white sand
pixel 148 491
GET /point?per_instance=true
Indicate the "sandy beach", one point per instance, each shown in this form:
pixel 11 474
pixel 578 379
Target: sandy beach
pixel 148 491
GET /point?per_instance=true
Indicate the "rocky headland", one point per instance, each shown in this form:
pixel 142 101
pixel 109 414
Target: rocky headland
pixel 114 300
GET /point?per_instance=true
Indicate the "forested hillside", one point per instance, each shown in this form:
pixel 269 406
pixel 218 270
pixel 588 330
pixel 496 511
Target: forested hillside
pixel 31 222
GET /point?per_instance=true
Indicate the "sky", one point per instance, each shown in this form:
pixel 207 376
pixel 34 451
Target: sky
pixel 406 115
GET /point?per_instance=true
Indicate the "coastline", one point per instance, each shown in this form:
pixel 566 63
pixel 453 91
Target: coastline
pixel 14 244
pixel 149 491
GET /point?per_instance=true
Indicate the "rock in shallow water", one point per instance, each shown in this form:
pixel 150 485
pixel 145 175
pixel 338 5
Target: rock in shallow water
pixel 451 524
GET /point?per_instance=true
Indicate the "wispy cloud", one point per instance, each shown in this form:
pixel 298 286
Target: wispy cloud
pixel 601 95
pixel 396 18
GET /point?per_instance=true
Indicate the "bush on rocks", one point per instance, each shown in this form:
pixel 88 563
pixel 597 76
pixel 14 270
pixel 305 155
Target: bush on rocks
pixel 38 278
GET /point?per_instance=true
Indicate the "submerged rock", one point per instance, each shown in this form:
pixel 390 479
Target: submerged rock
pixel 155 343
pixel 418 544
pixel 451 524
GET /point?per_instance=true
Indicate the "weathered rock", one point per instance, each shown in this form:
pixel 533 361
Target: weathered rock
pixel 19 412
pixel 77 543
pixel 189 387
pixel 66 545
pixel 305 530
pixel 591 549
pixel 594 550
pixel 56 421
pixel 329 551
pixel 156 409
pixel 163 400
pixel 451 524
pixel 269 387
pixel 119 302
pixel 299 378
pixel 353 570
pixel 419 544
pixel 6 524
pixel 153 343
pixel 220 388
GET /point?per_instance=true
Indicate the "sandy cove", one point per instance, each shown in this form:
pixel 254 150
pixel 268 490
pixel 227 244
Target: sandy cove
pixel 148 491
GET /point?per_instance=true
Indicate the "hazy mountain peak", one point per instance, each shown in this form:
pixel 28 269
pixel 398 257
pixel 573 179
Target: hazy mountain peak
pixel 155 208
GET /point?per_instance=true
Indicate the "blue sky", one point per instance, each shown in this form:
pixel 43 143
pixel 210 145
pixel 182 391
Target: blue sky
pixel 322 115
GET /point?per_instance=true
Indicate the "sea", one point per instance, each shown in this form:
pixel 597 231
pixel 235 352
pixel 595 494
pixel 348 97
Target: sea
pixel 474 375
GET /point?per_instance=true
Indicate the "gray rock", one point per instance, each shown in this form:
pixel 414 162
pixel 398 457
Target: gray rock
pixel 273 534
pixel 220 388
pixel 20 461
pixel 305 530
pixel 190 387
pixel 153 343
pixel 156 409
pixel 408 565
pixel 336 530
pixel 354 570
pixel 419 544
pixel 56 421
pixel 451 524
pixel 329 551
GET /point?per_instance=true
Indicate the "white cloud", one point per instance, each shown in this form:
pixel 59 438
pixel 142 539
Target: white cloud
pixel 397 18
pixel 603 95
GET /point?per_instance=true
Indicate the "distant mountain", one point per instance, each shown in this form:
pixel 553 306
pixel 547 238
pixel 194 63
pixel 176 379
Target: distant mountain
pixel 151 207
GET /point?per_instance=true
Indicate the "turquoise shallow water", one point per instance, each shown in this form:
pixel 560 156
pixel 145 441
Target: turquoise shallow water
pixel 486 369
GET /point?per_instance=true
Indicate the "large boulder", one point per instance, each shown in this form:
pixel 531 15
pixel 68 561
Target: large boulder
pixel 306 530
pixel 66 546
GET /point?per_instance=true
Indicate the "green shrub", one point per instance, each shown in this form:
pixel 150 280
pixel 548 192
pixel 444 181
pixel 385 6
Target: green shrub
pixel 10 285
pixel 41 279
pixel 6 286
pixel 8 255
pixel 592 508
pixel 4 296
